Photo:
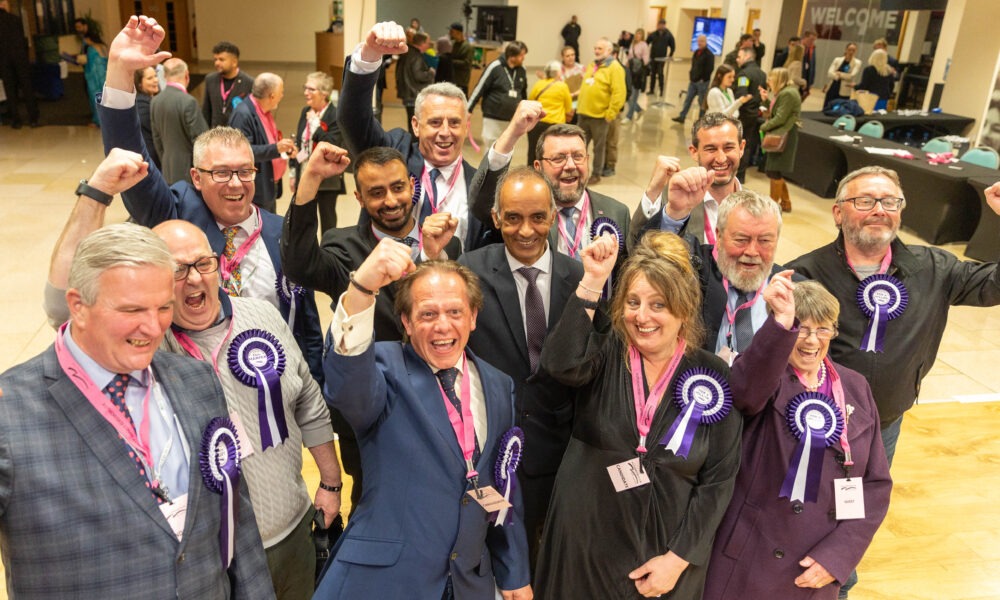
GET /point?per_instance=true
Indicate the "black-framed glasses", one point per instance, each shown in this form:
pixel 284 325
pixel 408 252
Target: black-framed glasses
pixel 889 203
pixel 204 265
pixel 226 175
pixel 560 159
pixel 822 333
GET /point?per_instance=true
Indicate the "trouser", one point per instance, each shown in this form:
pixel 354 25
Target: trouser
pixel 695 88
pixel 751 128
pixel 16 77
pixel 596 130
pixel 633 102
pixel 536 493
pixel 611 147
pixel 292 562
pixel 656 72
pixel 533 135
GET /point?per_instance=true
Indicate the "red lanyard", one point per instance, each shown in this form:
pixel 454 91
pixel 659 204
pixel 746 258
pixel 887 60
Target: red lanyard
pixel 838 397
pixel 227 265
pixel 572 249
pixel 103 405
pixel 463 424
pixel 191 348
pixel 884 267
pixel 645 406
pixel 425 180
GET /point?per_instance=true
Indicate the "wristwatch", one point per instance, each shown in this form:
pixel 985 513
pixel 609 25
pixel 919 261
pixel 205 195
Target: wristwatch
pixel 91 192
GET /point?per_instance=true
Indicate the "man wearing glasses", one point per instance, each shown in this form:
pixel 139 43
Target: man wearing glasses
pixel 219 199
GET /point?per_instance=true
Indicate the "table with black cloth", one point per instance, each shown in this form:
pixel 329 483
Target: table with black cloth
pixel 819 162
pixel 985 242
pixel 936 123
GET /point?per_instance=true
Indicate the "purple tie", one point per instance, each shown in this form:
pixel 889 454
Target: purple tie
pixel 534 315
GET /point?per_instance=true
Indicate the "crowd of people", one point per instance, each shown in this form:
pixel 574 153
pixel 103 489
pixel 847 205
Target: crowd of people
pixel 535 392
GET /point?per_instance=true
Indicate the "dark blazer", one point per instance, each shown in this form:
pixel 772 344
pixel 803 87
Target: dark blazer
pixel 142 105
pixel 70 494
pixel 499 340
pixel 214 110
pixel 331 135
pixel 415 523
pixel 695 224
pixel 362 130
pixel 176 123
pixel 266 189
pixel 702 65
pixel 151 202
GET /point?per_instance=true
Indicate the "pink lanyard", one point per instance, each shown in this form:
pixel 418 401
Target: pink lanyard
pixel 645 406
pixel 103 405
pixel 574 248
pixel 463 424
pixel 191 348
pixel 883 268
pixel 731 314
pixel 180 87
pixel 222 89
pixel 425 180
pixel 709 231
pixel 838 397
pixel 227 265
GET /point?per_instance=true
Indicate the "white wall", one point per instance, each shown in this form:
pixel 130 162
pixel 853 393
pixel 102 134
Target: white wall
pixel 973 63
pixel 282 30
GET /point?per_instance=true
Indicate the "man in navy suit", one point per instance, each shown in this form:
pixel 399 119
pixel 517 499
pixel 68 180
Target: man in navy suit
pixel 429 416
pixel 218 202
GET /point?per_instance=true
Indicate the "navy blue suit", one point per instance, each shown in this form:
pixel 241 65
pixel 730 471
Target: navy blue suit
pixel 415 524
pixel 266 189
pixel 151 202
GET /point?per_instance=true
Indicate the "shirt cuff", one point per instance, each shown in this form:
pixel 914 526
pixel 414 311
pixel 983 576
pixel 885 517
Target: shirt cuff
pixel 117 99
pixel 363 67
pixel 649 207
pixel 497 160
pixel 672 225
pixel 352 334
pixel 424 257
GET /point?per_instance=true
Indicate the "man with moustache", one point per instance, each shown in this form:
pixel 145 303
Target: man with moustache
pixel 717 146
pixel 433 154
pixel 525 288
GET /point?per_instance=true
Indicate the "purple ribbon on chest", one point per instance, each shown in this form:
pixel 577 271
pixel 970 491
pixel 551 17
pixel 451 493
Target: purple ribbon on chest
pixel 883 298
pixel 257 360
pixel 816 421
pixel 219 460
pixel 703 396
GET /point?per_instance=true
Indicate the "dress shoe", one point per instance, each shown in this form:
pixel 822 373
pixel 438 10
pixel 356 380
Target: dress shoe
pixel 594 180
pixel 678 119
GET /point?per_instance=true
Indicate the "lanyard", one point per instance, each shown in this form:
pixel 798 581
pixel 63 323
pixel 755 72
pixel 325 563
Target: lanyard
pixel 838 397
pixel 103 405
pixel 178 86
pixel 645 406
pixel 224 93
pixel 572 249
pixel 883 268
pixel 228 265
pixel 425 180
pixel 725 94
pixel 463 424
pixel 191 348
pixel 710 232
pixel 731 314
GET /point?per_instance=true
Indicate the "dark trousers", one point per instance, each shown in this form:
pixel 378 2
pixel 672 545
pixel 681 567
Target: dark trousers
pixel 536 493
pixel 16 76
pixel 751 133
pixel 656 73
pixel 292 562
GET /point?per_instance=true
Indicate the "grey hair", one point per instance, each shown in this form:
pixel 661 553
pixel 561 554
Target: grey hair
pixel 120 245
pixel 174 68
pixel 752 202
pixel 553 68
pixel 265 84
pixel 870 171
pixel 443 88
pixel 226 136
pixel 522 173
pixel 323 81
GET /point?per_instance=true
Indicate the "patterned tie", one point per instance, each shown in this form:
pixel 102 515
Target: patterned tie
pixel 234 284
pixel 116 391
pixel 409 241
pixel 425 209
pixel 534 315
pixel 744 324
pixel 448 377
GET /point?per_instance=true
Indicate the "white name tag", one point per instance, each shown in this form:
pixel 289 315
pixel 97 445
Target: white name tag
pixel 627 475
pixel 849 497
pixel 512 93
pixel 491 501
pixel 302 156
pixel 589 81
pixel 175 513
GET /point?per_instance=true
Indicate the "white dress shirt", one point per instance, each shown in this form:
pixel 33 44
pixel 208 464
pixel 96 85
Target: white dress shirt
pixel 543 281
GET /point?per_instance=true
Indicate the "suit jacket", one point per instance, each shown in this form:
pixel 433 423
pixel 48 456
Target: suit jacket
pixel 142 105
pixel 216 112
pixel 362 130
pixel 152 201
pixel 176 122
pixel 76 518
pixel 499 340
pixel 331 134
pixel 415 523
pixel 266 190
pixel 640 224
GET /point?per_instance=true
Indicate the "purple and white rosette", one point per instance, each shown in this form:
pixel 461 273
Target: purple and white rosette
pixel 418 189
pixel 816 421
pixel 883 298
pixel 291 294
pixel 257 360
pixel 704 397
pixel 219 460
pixel 600 226
pixel 505 470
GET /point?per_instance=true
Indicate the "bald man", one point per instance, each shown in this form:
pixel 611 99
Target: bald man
pixel 176 121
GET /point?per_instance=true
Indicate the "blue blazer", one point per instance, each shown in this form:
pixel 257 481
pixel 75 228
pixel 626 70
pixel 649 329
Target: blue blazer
pixel 266 190
pixel 151 202
pixel 415 523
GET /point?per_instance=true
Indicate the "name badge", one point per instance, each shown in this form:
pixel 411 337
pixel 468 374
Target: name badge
pixel 175 513
pixel 589 81
pixel 849 498
pixel 246 448
pixel 627 475
pixel 302 156
pixel 512 93
pixel 491 500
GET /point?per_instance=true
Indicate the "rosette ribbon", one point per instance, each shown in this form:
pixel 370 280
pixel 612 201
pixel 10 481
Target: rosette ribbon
pixel 703 396
pixel 600 226
pixel 290 294
pixel 257 360
pixel 505 470
pixel 816 421
pixel 883 298
pixel 219 459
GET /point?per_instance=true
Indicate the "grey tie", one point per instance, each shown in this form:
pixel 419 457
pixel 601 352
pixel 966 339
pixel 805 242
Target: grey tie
pixel 534 315
pixel 569 215
pixel 743 325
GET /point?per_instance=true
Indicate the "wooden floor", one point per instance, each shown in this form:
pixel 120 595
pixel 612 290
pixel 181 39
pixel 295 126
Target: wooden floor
pixel 941 540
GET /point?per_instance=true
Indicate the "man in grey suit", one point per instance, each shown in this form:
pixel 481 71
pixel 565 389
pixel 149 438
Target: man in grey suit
pixel 101 458
pixel 176 121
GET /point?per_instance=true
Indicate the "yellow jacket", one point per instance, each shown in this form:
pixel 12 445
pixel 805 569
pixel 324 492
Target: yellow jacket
pixel 603 92
pixel 555 98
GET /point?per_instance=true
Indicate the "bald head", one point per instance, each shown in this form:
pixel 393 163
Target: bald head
pixel 196 292
pixel 175 70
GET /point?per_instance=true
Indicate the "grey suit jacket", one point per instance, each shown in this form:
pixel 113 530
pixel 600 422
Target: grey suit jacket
pixel 76 519
pixel 176 121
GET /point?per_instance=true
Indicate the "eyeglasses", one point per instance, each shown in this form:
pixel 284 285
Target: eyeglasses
pixel 867 203
pixel 226 175
pixel 822 333
pixel 560 159
pixel 204 265
pixel 309 88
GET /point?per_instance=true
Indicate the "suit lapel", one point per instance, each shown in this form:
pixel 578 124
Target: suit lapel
pixel 494 400
pixel 506 291
pixel 562 288
pixel 429 397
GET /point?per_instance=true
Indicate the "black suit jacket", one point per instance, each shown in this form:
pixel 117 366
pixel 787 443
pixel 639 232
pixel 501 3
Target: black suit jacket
pixel 215 111
pixel 499 339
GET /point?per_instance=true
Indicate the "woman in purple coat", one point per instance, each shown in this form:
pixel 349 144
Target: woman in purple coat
pixel 811 432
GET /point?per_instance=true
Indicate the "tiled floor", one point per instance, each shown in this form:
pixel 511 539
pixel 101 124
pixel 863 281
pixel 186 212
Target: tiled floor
pixel 942 536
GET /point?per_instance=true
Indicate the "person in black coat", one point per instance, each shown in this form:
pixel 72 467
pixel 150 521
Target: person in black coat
pixel 15 71
pixel 147 85
pixel 318 123
pixel 749 80
pixel 571 35
pixel 661 47
pixel 878 78
pixel 702 65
